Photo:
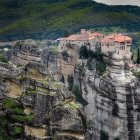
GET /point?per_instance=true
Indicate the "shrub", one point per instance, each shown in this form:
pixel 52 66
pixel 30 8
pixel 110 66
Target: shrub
pixel 70 82
pixel 138 56
pixel 17 130
pixel 137 74
pixel 101 67
pixel 10 103
pixel 22 118
pixel 78 95
pixel 3 131
pixel 3 57
pixel 83 52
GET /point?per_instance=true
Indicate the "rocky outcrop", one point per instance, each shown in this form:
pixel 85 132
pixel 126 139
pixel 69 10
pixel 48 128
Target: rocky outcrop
pixel 24 52
pixel 60 64
pixel 38 107
pixel 114 98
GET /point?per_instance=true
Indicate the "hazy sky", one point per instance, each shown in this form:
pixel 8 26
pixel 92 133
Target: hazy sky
pixel 120 2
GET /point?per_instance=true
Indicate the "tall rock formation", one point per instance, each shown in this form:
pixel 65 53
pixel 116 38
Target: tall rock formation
pixel 24 52
pixel 36 107
pixel 114 103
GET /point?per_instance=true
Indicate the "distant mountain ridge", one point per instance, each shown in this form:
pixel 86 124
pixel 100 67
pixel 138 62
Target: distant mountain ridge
pixel 40 19
pixel 120 2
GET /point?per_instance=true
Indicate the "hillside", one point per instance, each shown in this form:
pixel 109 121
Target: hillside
pixel 54 18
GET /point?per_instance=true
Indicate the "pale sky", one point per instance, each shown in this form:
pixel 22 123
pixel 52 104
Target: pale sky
pixel 120 2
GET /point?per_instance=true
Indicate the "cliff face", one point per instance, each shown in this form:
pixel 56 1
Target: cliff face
pixel 38 107
pixel 114 98
pixel 24 52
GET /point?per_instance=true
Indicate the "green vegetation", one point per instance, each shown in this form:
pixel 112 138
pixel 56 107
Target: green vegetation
pixel 76 91
pixel 25 118
pixel 17 130
pixel 138 56
pixel 10 103
pixel 70 82
pixel 3 57
pixel 137 74
pixel 100 64
pixel 3 127
pixel 15 108
pixel 104 135
pixel 101 67
pixel 55 18
pixel 84 52
pixel 54 49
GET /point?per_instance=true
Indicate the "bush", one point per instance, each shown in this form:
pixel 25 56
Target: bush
pixel 101 67
pixel 3 57
pixel 137 74
pixel 27 118
pixel 84 52
pixel 78 95
pixel 10 103
pixel 3 131
pixel 70 82
pixel 17 130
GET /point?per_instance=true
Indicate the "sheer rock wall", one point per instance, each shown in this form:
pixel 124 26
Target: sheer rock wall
pixel 44 109
pixel 115 101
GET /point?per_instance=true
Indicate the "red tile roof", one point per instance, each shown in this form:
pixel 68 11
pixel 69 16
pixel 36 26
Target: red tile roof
pixel 88 35
pixel 116 38
pixel 122 38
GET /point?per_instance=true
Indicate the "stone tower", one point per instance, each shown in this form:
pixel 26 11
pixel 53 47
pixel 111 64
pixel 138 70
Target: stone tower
pixel 117 102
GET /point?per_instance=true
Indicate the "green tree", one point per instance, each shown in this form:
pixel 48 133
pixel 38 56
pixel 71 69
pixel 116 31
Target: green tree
pixel 101 67
pixel 70 81
pixel 62 79
pixel 84 52
pixel 138 56
pixel 78 95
